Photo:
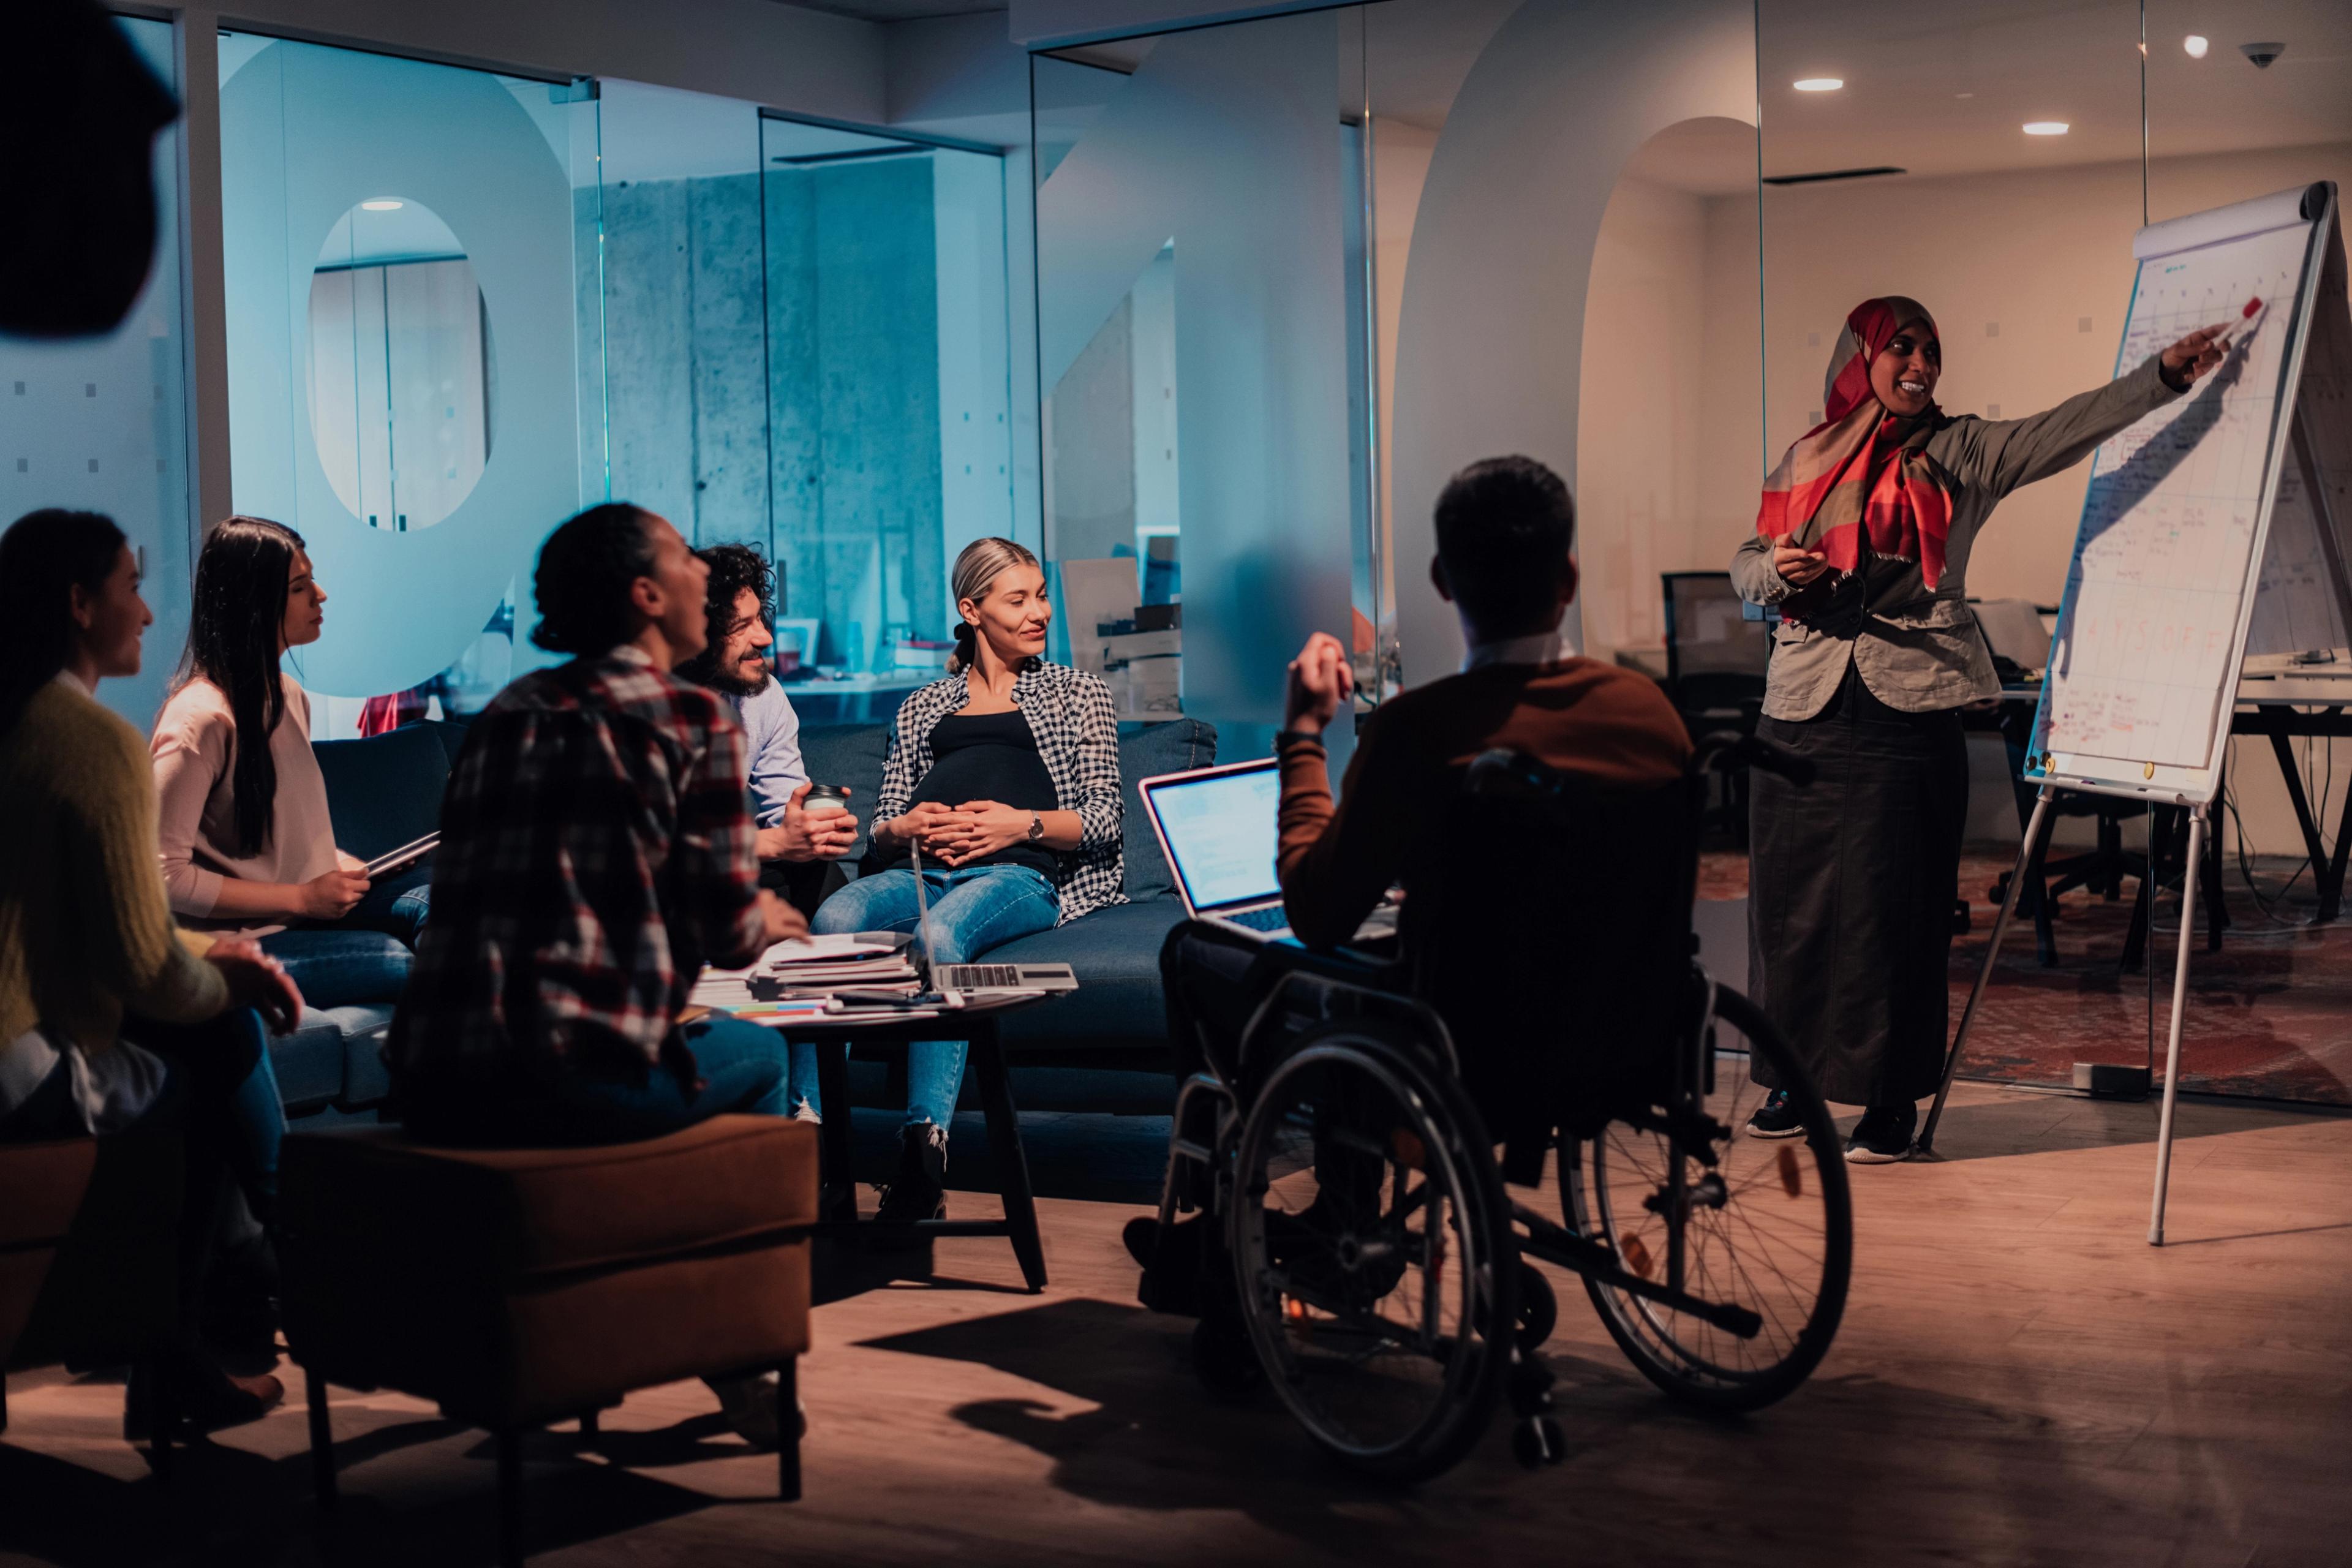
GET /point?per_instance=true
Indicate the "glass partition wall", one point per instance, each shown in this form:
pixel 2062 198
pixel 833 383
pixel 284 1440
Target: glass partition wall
pixel 1206 360
pixel 464 305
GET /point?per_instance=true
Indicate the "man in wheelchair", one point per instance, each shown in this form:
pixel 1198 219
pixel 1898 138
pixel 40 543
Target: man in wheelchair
pixel 1505 531
pixel 1351 1241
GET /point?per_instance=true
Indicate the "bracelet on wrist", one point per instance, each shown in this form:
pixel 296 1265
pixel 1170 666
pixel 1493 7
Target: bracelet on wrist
pixel 1297 737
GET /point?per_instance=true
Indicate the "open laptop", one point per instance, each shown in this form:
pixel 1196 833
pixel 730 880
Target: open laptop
pixel 1217 827
pixel 979 977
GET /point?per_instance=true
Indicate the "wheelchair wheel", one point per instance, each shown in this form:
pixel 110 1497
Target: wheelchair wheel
pixel 1372 1249
pixel 1766 1226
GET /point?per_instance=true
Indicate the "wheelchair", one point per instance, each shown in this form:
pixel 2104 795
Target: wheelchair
pixel 1377 1273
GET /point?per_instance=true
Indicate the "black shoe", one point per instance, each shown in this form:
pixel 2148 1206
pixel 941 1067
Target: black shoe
pixel 209 1400
pixel 1882 1136
pixel 919 1190
pixel 1170 1261
pixel 1776 1117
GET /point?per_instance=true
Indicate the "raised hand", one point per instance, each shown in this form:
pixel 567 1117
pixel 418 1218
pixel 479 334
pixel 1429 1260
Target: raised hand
pixel 1321 678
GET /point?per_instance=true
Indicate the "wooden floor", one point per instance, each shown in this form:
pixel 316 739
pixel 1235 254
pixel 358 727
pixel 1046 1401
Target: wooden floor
pixel 2020 1379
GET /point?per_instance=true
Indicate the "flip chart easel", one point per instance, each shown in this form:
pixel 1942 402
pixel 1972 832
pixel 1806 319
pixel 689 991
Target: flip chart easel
pixel 2174 556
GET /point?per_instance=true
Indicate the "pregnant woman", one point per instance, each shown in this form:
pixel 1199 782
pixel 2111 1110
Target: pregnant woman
pixel 1004 778
pixel 1863 541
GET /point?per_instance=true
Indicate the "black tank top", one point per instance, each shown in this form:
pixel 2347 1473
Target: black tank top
pixel 991 756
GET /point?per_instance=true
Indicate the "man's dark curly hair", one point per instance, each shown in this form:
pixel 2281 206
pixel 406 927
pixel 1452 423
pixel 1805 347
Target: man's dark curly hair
pixel 582 581
pixel 733 568
pixel 1503 526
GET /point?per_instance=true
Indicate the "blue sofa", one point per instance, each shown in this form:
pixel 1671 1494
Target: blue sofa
pixel 387 791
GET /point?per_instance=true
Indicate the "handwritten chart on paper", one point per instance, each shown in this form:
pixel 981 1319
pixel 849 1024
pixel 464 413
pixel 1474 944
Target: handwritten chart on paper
pixel 2145 649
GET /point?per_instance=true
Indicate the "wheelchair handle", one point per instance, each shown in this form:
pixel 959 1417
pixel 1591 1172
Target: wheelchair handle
pixel 1726 749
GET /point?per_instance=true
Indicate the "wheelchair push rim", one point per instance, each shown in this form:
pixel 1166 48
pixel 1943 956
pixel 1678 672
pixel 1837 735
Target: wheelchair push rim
pixel 1768 1226
pixel 1371 1252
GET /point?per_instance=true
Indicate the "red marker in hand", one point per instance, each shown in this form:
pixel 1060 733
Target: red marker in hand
pixel 2244 326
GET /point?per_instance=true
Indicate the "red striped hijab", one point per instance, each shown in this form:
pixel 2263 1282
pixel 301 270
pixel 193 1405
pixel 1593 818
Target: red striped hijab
pixel 1864 474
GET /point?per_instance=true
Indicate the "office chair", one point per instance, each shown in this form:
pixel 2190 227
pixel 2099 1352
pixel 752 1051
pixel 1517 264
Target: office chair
pixel 1714 673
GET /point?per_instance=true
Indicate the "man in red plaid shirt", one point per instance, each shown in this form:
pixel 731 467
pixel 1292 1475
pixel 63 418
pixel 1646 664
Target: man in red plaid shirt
pixel 596 849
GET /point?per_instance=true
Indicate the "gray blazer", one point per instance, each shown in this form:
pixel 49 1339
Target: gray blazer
pixel 1919 650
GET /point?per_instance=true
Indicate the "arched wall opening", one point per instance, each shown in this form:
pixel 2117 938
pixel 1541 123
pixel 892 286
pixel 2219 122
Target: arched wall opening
pixel 1670 403
pixel 1490 333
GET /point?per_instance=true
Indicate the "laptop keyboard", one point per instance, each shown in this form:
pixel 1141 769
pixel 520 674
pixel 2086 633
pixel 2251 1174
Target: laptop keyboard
pixel 984 976
pixel 1270 918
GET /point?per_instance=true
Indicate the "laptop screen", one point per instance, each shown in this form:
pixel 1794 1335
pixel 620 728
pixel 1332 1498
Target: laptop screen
pixel 1220 834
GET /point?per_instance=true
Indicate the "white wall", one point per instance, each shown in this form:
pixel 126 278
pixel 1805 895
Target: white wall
pixel 1639 428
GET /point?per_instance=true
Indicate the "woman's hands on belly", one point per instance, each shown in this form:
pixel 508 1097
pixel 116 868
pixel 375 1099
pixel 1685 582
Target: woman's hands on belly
pixel 978 828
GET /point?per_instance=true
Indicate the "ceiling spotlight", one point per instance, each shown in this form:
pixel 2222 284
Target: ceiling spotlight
pixel 381 204
pixel 2195 44
pixel 1820 84
pixel 2262 54
pixel 2045 128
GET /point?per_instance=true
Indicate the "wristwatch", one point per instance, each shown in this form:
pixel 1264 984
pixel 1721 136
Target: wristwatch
pixel 1037 827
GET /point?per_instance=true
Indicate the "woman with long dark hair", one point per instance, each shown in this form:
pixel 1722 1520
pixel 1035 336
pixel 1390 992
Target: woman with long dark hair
pixel 248 846
pixel 1002 780
pixel 110 1021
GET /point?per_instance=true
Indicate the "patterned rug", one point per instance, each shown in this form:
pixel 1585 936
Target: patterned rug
pixel 2270 1014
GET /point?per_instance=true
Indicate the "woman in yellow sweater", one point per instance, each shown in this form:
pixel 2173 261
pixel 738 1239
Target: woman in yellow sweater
pixel 110 1018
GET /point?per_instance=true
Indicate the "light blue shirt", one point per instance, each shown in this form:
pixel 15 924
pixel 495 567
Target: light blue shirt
pixel 773 734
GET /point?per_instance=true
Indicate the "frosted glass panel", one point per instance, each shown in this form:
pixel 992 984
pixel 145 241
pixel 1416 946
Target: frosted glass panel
pixel 471 383
pixel 1194 322
pixel 887 408
pixel 101 423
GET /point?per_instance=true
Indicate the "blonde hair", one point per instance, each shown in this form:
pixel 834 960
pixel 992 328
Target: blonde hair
pixel 977 569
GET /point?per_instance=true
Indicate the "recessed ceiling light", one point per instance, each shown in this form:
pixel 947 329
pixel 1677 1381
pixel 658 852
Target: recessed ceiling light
pixel 381 204
pixel 2045 128
pixel 1820 84
pixel 2195 44
pixel 1964 95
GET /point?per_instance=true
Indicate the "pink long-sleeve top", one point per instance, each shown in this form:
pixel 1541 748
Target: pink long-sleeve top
pixel 195 740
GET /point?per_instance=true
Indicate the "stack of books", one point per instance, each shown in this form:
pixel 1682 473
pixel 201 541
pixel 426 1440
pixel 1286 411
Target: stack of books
pixel 795 981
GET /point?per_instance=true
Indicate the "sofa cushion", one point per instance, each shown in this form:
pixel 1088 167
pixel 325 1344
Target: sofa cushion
pixel 850 756
pixel 1118 1004
pixel 385 790
pixel 1147 751
pixel 524 1213
pixel 332 1057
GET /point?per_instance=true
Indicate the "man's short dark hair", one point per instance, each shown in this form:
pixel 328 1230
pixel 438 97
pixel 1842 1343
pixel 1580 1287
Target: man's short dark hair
pixel 1503 526
pixel 733 568
pixel 582 581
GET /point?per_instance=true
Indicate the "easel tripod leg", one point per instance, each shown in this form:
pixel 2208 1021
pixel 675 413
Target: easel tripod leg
pixel 2197 827
pixel 2027 853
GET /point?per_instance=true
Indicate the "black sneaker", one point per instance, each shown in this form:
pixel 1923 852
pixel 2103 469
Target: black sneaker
pixel 1883 1135
pixel 919 1190
pixel 1170 1261
pixel 1776 1117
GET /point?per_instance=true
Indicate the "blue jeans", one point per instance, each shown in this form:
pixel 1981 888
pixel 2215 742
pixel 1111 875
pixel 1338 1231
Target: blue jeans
pixel 365 955
pixel 231 1095
pixel 743 1067
pixel 972 910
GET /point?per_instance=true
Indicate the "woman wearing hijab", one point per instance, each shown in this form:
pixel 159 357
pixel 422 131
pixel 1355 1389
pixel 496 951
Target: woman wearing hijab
pixel 1863 543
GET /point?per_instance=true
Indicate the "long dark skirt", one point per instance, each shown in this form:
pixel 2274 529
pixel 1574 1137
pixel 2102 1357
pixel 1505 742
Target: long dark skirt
pixel 1850 889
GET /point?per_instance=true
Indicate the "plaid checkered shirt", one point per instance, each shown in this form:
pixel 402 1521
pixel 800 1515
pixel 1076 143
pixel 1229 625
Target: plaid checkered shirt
pixel 596 849
pixel 1070 713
